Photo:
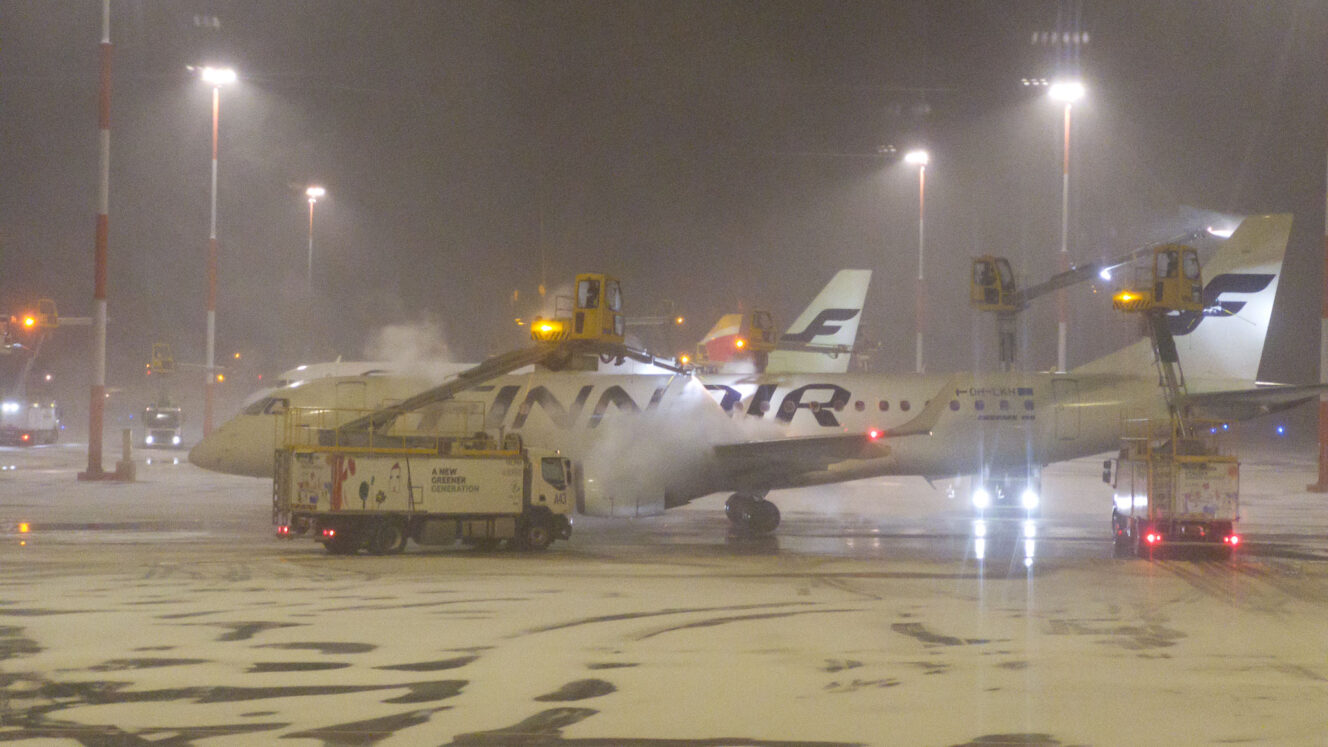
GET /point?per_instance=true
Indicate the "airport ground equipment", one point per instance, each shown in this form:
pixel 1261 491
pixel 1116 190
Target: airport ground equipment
pixel 28 413
pixel 1173 490
pixel 163 420
pixel 163 424
pixel 433 490
pixel 25 423
pixel 1175 483
pixel 993 288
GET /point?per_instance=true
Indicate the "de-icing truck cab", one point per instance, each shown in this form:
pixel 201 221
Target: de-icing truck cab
pixel 376 492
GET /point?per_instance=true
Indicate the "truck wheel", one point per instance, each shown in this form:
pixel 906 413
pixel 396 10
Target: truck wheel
pixel 536 534
pixel 387 537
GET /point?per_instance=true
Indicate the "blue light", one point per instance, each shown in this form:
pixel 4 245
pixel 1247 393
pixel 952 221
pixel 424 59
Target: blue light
pixel 1226 426
pixel 1281 430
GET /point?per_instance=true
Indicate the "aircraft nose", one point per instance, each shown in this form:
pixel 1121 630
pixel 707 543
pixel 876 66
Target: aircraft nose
pixel 238 447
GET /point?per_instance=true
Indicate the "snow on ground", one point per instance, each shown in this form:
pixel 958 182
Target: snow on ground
pixel 165 609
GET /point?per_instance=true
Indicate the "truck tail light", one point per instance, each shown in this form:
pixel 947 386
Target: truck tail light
pixel 283 531
pixel 1233 540
pixel 329 533
pixel 1153 538
pixel 25 436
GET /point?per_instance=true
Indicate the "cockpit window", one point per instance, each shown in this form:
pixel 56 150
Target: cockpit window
pixel 268 406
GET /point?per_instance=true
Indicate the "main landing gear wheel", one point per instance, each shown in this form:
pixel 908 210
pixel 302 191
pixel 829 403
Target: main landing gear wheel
pixel 751 514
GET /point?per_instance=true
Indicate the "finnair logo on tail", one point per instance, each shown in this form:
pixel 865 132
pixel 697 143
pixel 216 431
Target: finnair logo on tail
pixel 1187 321
pixel 828 322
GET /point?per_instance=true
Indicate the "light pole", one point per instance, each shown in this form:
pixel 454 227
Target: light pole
pixel 1068 92
pixel 920 159
pixel 216 77
pixel 313 193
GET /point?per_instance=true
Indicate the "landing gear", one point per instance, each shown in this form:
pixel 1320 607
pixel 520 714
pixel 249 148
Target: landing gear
pixel 751 514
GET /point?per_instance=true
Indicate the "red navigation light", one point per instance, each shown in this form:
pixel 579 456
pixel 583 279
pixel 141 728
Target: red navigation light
pixel 25 437
pixel 874 434
pixel 329 533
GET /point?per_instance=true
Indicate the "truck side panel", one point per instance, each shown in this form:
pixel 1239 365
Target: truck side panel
pixel 332 482
pixel 1207 491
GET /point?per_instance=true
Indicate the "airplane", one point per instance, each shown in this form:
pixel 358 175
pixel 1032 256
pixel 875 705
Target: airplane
pixel 649 442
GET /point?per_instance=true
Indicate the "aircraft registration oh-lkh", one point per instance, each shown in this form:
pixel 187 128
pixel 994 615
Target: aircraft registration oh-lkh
pixel 649 442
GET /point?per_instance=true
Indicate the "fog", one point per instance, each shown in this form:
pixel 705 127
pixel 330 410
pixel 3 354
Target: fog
pixel 714 156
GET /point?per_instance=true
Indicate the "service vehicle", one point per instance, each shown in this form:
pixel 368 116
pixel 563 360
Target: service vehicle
pixel 1175 482
pixel 378 492
pixel 24 423
pixel 163 425
pixel 1170 489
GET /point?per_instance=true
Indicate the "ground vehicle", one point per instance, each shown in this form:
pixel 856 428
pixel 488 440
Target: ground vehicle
pixel 29 423
pixel 163 424
pixel 380 491
pixel 1170 489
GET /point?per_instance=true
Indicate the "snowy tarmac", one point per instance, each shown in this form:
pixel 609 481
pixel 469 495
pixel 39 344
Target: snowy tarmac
pixel 166 612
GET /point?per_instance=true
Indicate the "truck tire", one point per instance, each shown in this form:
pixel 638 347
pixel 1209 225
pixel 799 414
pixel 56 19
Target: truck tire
pixel 536 534
pixel 387 536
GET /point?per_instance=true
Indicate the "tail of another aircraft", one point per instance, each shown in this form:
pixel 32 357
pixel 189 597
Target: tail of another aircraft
pixel 1221 346
pixel 829 322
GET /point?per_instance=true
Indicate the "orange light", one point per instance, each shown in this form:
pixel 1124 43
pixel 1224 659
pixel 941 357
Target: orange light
pixel 740 343
pixel 237 356
pixel 29 321
pixel 23 527
pixel 678 320
pixel 25 436
pixel 221 378
pixel 684 359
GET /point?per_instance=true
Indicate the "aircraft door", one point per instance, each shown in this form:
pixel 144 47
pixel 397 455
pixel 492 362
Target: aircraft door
pixel 1066 394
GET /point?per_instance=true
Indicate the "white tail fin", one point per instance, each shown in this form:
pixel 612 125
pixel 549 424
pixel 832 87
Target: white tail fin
pixel 1220 347
pixel 830 322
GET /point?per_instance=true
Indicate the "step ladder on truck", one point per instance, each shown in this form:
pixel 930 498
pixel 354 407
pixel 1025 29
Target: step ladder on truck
pixel 1175 481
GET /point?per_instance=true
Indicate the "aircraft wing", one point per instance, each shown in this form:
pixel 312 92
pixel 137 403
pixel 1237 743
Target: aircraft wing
pixel 1247 403
pixel 809 453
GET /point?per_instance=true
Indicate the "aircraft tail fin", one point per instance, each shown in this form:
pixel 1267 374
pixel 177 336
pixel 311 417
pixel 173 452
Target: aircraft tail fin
pixel 829 322
pixel 1221 346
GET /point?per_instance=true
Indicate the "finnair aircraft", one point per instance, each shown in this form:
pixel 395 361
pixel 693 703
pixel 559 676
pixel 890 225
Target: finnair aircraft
pixel 649 442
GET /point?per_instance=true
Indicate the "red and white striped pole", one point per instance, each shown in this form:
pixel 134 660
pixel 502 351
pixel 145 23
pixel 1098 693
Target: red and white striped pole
pixel 1322 485
pixel 97 404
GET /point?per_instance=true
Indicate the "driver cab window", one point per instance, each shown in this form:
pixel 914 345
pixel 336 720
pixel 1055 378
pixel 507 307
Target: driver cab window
pixel 613 297
pixel 587 294
pixel 551 468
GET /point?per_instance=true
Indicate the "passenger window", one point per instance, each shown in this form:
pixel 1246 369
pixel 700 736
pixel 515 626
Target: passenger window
pixel 551 469
pixel 979 405
pixel 954 405
pixel 903 405
pixel 859 405
pixel 884 406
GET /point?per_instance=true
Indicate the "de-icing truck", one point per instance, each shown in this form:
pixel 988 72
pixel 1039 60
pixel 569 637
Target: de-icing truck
pixel 433 490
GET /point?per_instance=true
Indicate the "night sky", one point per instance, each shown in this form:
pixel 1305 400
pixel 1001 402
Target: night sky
pixel 714 155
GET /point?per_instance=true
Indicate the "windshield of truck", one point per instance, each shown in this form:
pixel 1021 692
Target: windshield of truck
pixel 552 470
pixel 162 419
